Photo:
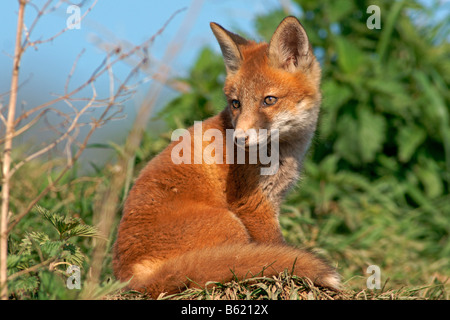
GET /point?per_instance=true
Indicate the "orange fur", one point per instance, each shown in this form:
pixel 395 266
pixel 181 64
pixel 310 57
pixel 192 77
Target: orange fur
pixel 187 224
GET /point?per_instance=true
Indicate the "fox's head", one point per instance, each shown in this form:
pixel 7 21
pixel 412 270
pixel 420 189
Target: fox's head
pixel 272 85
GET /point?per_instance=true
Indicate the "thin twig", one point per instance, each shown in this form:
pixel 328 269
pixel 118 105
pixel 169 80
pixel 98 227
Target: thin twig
pixel 59 139
pixel 31 269
pixel 29 43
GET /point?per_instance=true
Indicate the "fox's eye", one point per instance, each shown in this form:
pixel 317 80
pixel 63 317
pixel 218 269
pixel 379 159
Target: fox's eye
pixel 270 100
pixel 236 104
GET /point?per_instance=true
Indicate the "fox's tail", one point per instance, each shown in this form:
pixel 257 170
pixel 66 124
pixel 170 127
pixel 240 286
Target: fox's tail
pixel 224 263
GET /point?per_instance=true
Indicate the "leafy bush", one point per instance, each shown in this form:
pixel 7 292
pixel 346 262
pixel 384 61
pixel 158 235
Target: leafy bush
pixel 53 248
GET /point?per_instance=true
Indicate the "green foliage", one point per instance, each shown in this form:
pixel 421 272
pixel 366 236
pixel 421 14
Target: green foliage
pixel 37 264
pixel 68 227
pixel 205 98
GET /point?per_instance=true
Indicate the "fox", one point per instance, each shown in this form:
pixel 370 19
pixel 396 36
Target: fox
pixel 193 224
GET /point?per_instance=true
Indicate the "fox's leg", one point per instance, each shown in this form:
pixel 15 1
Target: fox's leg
pixel 260 219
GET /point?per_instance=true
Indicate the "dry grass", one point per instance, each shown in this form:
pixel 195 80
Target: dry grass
pixel 288 287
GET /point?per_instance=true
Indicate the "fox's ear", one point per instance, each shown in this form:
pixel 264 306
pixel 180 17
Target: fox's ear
pixel 229 44
pixel 289 47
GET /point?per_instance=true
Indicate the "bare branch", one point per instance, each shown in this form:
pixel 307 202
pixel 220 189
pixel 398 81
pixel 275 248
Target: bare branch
pixel 74 65
pixel 6 160
pixel 59 139
pixel 99 71
pixel 29 43
pixel 31 269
